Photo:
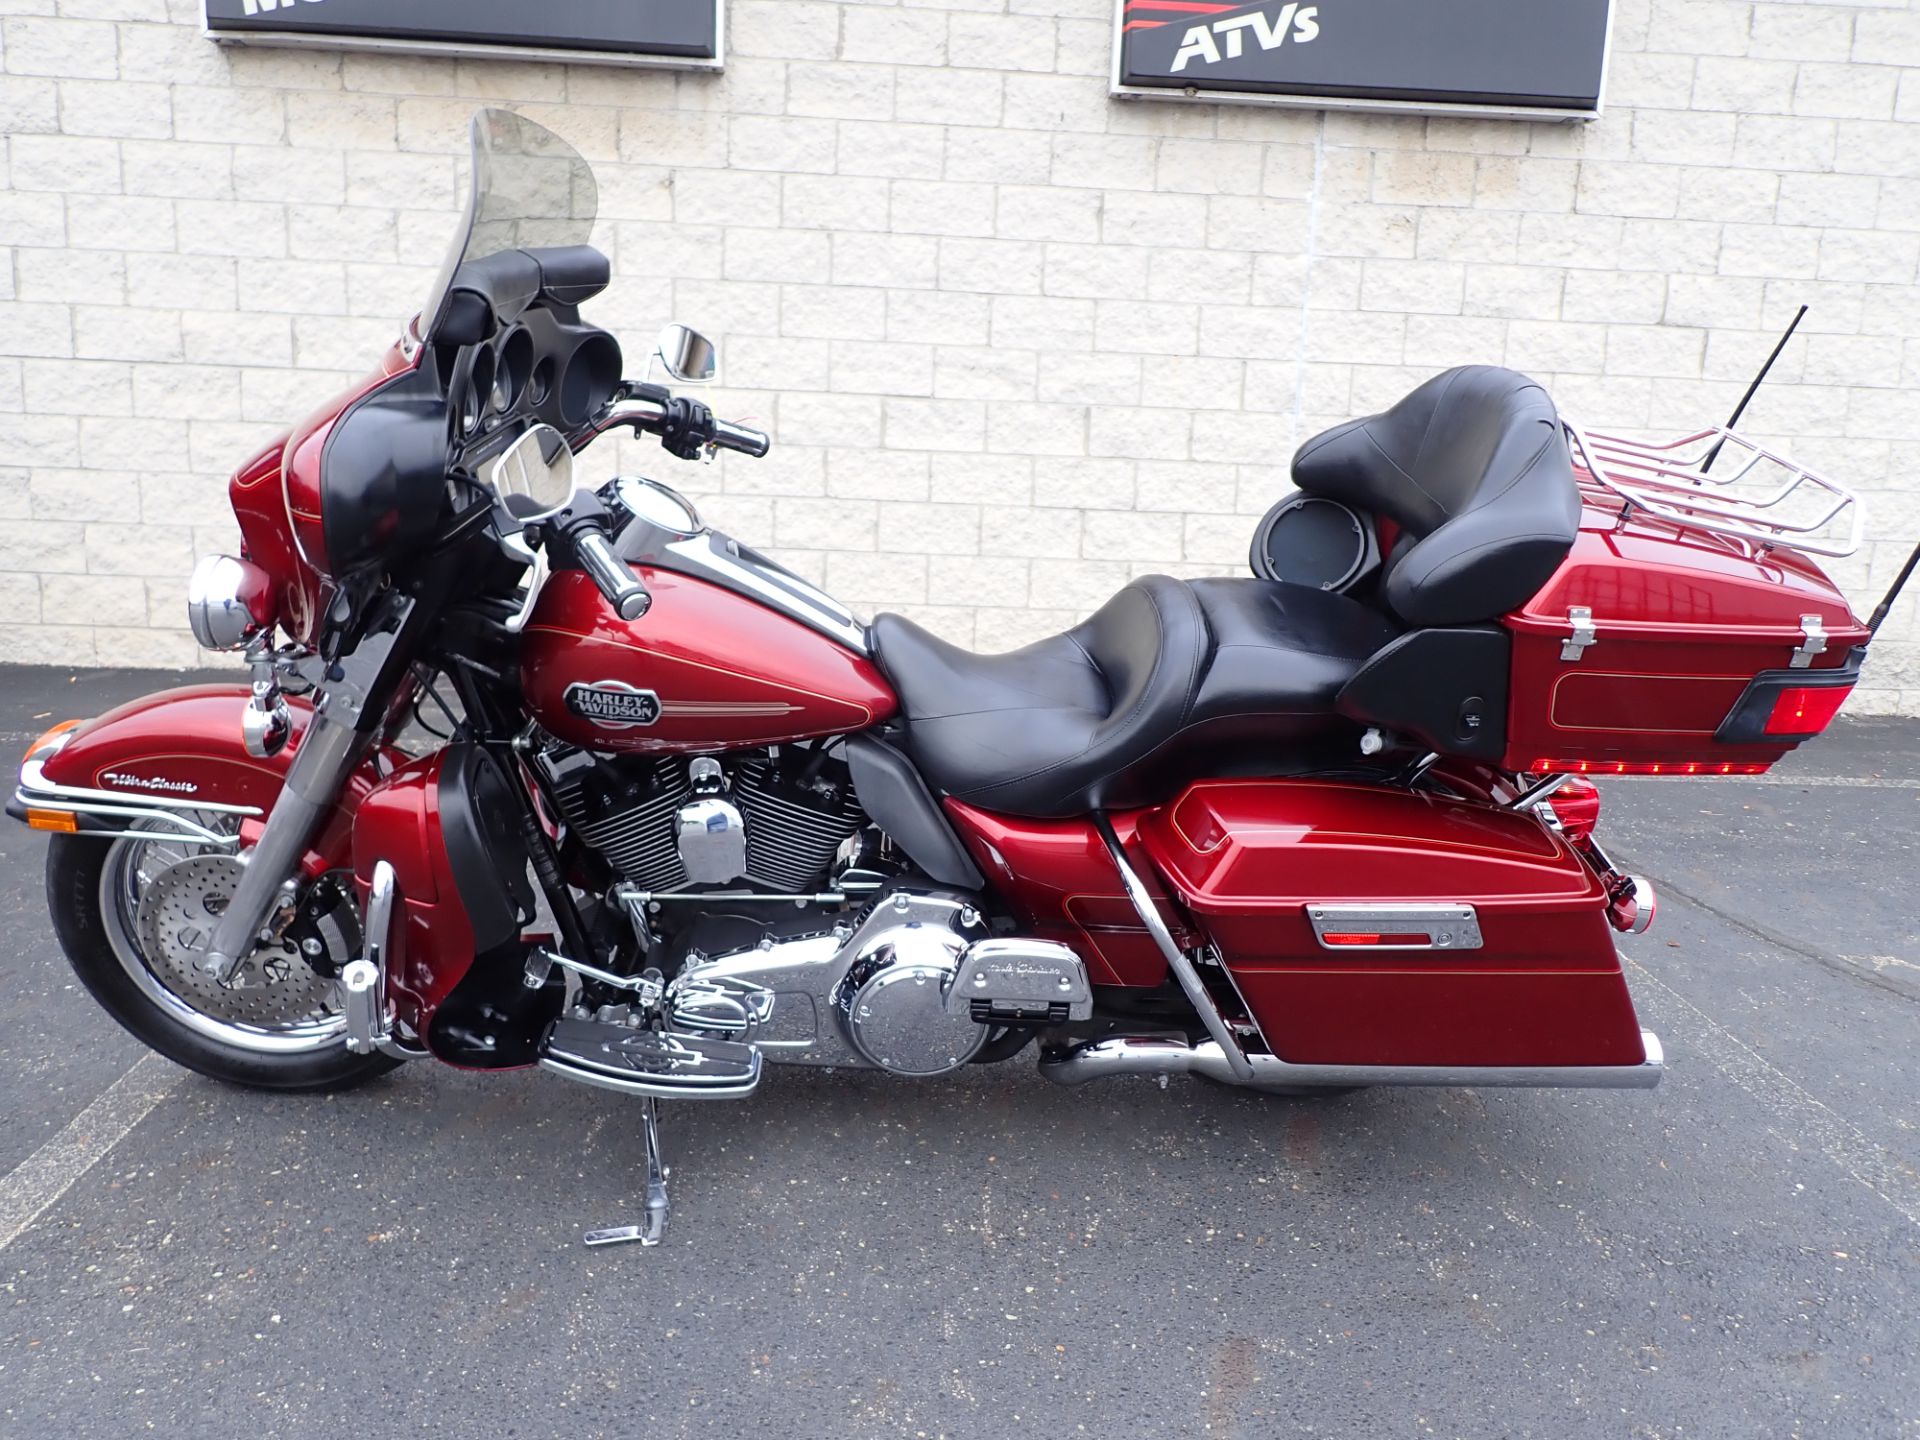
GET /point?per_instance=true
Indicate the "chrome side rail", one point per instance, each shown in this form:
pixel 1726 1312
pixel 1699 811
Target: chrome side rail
pixel 174 817
pixel 1239 1069
pixel 1162 1056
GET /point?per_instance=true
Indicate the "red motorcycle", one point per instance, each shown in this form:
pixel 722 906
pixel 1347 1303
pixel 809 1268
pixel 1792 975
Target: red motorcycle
pixel 537 774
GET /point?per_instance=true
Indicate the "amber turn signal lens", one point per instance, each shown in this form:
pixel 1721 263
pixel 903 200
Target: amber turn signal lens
pixel 47 739
pixel 58 821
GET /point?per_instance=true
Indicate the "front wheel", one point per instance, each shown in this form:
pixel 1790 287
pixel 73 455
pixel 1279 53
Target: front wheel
pixel 132 912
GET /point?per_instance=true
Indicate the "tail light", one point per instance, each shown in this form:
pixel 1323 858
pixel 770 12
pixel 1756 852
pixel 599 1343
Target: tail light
pixel 1632 907
pixel 1647 767
pixel 1785 707
pixel 1577 803
pixel 1805 710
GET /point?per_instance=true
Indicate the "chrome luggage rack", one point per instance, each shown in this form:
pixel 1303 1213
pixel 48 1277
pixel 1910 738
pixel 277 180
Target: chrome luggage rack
pixel 1758 495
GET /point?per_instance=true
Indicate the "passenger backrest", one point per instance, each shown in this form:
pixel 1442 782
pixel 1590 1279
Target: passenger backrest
pixel 1475 471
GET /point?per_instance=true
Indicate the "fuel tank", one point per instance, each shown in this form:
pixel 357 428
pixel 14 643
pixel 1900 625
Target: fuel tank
pixel 705 669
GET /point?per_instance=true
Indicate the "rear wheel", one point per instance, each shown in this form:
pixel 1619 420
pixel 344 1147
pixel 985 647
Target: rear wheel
pixel 132 912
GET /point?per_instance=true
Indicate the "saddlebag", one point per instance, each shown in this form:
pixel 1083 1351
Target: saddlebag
pixel 1372 926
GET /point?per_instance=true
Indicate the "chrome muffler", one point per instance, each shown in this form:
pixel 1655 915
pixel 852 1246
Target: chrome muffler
pixel 1159 1055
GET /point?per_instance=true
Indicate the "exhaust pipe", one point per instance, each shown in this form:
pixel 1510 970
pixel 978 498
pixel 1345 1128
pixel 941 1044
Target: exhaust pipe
pixel 1158 1055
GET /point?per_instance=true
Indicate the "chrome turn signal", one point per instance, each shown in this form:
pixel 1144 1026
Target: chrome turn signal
pixel 229 602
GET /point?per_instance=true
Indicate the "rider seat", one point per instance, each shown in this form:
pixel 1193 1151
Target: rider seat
pixel 1472 471
pixel 1091 718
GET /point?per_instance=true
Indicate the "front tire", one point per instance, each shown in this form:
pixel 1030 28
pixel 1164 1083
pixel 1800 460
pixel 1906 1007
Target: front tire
pixel 93 889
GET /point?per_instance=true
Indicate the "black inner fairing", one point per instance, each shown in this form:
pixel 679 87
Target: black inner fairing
pixel 511 352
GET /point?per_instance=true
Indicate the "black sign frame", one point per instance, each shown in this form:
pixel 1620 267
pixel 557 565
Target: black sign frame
pixel 304 24
pixel 1299 93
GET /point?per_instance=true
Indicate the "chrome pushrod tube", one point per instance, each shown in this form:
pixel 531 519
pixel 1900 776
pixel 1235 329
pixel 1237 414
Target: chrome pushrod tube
pixel 1239 1068
pixel 326 757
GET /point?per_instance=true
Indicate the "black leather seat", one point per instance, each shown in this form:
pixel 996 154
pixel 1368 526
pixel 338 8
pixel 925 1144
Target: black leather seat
pixel 1094 717
pixel 1475 471
pixel 1471 467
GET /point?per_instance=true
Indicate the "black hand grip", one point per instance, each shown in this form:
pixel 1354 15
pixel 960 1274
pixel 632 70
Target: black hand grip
pixel 629 598
pixel 739 437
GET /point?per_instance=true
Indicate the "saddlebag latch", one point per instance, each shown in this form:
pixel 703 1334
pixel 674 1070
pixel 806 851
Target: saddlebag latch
pixel 1813 641
pixel 1584 635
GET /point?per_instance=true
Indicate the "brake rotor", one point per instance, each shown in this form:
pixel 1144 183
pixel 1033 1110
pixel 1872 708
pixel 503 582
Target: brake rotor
pixel 274 988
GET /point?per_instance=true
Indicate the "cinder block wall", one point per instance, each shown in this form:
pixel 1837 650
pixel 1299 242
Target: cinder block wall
pixel 1017 341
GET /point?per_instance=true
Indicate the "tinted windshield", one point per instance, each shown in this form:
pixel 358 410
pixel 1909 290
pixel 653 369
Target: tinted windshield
pixel 530 189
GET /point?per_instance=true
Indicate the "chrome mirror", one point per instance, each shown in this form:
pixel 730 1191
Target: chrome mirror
pixel 533 477
pixel 687 356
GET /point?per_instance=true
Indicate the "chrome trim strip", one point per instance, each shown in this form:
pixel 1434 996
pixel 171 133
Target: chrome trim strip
pixel 737 1089
pixel 1232 1057
pixel 721 561
pixel 33 782
pixel 711 556
pixel 1163 1056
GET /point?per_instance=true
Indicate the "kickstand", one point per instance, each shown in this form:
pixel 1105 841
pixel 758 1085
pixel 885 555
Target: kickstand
pixel 653 1228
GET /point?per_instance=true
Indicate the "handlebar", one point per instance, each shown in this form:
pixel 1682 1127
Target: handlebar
pixel 684 426
pixel 629 598
pixel 730 436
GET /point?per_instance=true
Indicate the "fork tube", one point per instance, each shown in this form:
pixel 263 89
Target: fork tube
pixel 320 768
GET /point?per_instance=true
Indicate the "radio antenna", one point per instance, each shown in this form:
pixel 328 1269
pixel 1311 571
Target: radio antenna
pixel 1899 584
pixel 1741 408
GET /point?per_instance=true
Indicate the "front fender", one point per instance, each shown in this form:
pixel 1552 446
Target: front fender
pixel 176 754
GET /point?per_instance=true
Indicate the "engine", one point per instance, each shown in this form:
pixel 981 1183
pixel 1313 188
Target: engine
pixel 896 975
pixel 912 985
pixel 773 818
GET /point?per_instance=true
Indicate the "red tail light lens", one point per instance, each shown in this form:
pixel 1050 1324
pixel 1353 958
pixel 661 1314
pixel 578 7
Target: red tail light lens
pixel 1376 937
pixel 1577 803
pixel 1806 709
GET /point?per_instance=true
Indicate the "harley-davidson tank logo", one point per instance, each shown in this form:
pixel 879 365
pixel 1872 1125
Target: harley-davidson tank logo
pixel 613 704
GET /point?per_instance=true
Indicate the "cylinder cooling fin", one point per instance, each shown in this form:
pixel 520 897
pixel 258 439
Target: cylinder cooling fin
pixel 798 806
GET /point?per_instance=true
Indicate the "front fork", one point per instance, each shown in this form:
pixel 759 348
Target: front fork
pixel 357 703
pixel 327 756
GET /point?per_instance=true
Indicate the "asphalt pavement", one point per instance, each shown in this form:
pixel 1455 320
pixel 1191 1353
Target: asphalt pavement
pixel 1735 1254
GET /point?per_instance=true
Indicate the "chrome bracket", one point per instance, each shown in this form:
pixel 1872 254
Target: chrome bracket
pixel 1813 641
pixel 1583 637
pixel 1239 1068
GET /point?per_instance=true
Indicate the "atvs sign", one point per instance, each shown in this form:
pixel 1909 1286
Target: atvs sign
pixel 686 34
pixel 1533 58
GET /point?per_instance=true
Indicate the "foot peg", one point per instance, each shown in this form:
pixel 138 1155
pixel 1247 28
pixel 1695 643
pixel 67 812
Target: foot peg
pixel 665 1065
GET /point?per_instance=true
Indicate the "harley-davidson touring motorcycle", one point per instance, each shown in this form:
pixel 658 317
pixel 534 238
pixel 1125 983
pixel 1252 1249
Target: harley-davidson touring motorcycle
pixel 532 772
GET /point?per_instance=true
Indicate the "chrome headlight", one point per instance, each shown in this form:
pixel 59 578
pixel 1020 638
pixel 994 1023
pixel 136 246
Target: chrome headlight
pixel 229 602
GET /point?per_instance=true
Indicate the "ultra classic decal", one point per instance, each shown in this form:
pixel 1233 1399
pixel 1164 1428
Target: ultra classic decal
pixel 1546 56
pixel 635 32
